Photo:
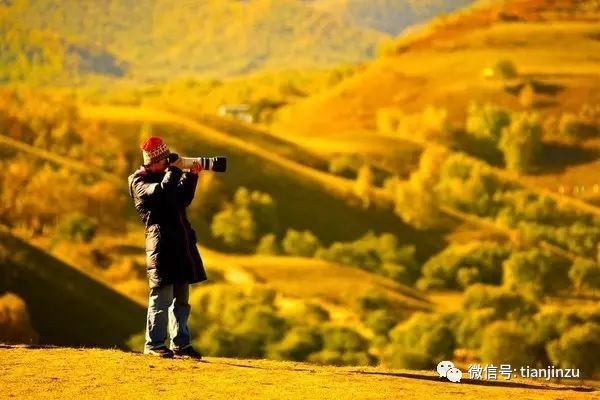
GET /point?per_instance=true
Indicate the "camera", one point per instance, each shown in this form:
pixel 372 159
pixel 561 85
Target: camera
pixel 216 164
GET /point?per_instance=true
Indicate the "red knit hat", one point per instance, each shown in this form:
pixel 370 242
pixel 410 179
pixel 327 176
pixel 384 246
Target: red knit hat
pixel 154 149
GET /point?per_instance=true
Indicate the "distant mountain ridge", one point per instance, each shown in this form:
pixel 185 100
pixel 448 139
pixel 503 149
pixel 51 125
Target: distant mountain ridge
pixel 161 39
pixel 158 39
pixel 388 16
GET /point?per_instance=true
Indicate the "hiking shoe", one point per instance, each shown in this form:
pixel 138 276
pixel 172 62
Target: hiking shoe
pixel 188 352
pixel 162 352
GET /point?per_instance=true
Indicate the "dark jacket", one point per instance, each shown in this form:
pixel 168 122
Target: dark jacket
pixel 161 200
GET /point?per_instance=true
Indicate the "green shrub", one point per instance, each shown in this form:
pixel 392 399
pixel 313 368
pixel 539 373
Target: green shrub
pixel 423 339
pixel 414 200
pixel 217 341
pixel 504 342
pixel 372 300
pixel 487 121
pixel 521 142
pixel 260 326
pixel 235 226
pixel 267 245
pixel 461 265
pixel 297 345
pixel 15 325
pixel 381 322
pixel 301 244
pixel 241 222
pixel 77 227
pixel 536 271
pixel 578 347
pixel 344 339
pixel 468 186
pixel 472 324
pixel 506 303
pixel 371 253
pixel 585 274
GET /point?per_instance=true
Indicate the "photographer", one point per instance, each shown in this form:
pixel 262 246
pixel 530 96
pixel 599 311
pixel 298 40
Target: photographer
pixel 161 192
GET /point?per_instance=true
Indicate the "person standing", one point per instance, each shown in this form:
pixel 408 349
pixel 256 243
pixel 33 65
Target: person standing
pixel 161 192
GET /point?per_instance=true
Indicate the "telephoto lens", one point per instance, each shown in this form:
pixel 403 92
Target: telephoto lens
pixel 216 164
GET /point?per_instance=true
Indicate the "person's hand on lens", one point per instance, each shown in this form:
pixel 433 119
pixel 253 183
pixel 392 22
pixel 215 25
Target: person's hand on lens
pixel 196 168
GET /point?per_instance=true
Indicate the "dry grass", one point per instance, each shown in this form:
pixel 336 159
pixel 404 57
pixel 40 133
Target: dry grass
pixel 317 279
pixel 109 374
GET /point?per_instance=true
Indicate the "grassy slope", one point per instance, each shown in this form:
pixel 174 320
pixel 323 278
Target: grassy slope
pixel 94 374
pixel 313 279
pixel 67 307
pixel 442 67
pixel 301 192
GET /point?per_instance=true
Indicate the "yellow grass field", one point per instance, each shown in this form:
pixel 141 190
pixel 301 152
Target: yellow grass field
pixel 51 373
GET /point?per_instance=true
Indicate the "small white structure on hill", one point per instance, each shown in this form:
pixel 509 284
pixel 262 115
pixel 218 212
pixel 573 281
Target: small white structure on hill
pixel 237 111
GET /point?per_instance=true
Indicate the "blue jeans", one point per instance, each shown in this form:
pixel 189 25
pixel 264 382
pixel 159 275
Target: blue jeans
pixel 168 310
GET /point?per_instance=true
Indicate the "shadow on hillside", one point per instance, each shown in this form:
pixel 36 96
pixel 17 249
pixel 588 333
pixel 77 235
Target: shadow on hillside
pixel 558 156
pixel 67 307
pixel 517 385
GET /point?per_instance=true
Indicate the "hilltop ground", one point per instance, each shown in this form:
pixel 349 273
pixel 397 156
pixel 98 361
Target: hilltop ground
pixel 92 373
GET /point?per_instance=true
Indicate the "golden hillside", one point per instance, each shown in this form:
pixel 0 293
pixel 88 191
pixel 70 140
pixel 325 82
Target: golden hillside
pixel 109 374
pixel 551 43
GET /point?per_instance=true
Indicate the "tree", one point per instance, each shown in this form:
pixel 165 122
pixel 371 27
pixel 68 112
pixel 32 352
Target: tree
pixel 487 121
pixel 521 142
pixel 219 342
pixel 15 325
pixel 380 255
pixel 241 221
pixel 467 185
pixel 426 338
pixel 461 265
pixel 297 345
pixel 268 245
pixel 344 339
pixel 578 347
pixel 414 200
pixel 585 274
pixel 381 322
pixel 504 342
pixel 235 226
pixel 471 326
pixel 536 271
pixel 506 303
pixel 300 243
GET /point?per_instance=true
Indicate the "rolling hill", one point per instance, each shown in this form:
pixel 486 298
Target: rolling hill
pixel 40 56
pixel 553 43
pixel 66 307
pixel 60 372
pixel 306 278
pixel 157 39
pixel 301 192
